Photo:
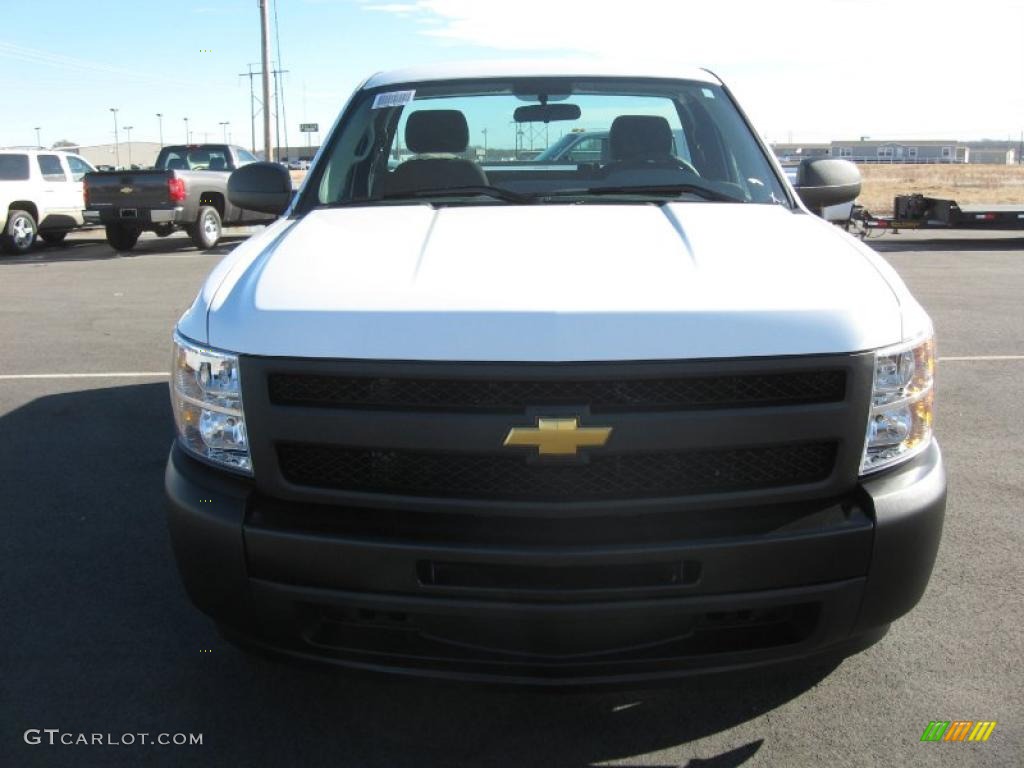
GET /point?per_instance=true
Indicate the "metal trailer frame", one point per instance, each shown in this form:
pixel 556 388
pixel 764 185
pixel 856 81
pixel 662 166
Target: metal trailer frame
pixel 921 212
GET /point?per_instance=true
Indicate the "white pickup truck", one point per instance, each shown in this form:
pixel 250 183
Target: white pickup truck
pixel 521 422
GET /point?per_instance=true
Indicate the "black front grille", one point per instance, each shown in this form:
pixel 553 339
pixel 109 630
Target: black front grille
pixel 601 395
pixel 495 477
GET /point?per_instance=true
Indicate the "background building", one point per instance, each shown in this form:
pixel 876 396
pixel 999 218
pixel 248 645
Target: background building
pixel 301 152
pixel 912 151
pixel 140 153
pixel 794 153
pixel 995 152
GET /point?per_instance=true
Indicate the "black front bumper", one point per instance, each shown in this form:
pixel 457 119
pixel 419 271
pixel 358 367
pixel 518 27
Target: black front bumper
pixel 477 602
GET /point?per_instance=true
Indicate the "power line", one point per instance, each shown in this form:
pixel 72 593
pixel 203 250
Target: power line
pixel 277 109
pixel 254 100
pixel 284 112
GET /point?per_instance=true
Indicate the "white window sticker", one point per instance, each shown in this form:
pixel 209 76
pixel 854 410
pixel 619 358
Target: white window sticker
pixel 392 99
pixel 708 93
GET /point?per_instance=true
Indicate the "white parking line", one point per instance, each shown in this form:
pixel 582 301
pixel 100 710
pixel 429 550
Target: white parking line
pixel 972 358
pixel 128 375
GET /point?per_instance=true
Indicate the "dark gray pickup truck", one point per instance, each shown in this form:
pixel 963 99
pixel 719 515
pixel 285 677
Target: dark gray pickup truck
pixel 186 189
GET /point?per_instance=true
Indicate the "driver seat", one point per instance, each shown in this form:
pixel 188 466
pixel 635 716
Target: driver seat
pixel 640 141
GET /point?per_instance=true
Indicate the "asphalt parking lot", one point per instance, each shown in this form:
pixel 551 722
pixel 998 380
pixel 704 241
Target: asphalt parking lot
pixel 97 635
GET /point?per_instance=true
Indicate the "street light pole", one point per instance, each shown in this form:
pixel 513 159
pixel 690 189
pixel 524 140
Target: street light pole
pixel 128 130
pixel 187 138
pixel 225 125
pixel 160 119
pixel 117 148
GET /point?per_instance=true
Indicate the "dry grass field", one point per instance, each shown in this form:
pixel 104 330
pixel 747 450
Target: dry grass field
pixel 967 184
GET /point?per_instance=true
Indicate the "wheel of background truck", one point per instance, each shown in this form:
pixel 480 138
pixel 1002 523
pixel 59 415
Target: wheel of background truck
pixel 163 230
pixel 53 238
pixel 206 231
pixel 20 232
pixel 122 238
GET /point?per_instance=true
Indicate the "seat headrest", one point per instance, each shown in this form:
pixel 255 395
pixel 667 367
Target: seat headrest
pixel 176 164
pixel 217 163
pixel 437 130
pixel 640 136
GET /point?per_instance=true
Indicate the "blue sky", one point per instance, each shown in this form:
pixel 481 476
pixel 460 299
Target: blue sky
pixel 954 73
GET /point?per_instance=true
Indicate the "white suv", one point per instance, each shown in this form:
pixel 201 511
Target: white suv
pixel 40 194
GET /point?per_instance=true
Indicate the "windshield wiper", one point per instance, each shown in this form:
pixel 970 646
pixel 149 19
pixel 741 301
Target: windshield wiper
pixel 469 189
pixel 660 190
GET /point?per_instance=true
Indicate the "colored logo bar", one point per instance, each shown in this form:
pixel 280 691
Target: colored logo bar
pixel 958 730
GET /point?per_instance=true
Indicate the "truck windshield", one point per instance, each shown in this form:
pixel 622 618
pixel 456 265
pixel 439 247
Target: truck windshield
pixel 194 158
pixel 536 141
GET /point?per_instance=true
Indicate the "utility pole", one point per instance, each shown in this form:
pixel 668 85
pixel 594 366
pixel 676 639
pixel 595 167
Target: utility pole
pixel 128 130
pixel 160 120
pixel 252 102
pixel 188 138
pixel 39 142
pixel 265 57
pixel 117 149
pixel 225 125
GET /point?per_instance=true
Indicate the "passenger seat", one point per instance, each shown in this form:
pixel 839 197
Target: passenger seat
pixel 434 131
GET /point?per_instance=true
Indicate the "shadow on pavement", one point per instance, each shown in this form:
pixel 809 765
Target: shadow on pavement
pixel 98 637
pixel 95 248
pixel 891 243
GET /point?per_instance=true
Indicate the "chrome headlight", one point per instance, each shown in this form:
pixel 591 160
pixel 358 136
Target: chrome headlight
pixel 206 397
pixel 902 404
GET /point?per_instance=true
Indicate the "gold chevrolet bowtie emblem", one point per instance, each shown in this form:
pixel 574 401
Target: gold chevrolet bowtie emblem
pixel 558 437
pixel 127 190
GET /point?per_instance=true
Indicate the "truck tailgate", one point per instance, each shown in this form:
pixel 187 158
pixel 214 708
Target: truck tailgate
pixel 128 189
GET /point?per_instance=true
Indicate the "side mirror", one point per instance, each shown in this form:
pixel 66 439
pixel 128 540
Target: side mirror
pixel 263 187
pixel 825 181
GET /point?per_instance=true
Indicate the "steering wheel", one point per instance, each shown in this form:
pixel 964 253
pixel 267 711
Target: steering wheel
pixel 659 161
pixel 683 165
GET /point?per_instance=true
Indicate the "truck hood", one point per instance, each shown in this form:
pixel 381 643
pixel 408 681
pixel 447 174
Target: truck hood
pixel 551 283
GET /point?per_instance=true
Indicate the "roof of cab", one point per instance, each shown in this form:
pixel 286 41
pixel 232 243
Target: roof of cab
pixel 463 70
